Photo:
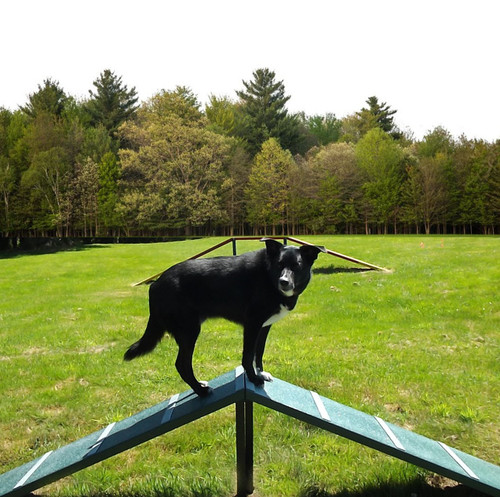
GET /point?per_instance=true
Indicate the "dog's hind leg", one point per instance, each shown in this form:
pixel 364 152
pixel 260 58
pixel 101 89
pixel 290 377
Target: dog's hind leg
pixel 259 352
pixel 186 340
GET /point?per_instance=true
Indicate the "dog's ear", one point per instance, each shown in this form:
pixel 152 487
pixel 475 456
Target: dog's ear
pixel 310 252
pixel 273 246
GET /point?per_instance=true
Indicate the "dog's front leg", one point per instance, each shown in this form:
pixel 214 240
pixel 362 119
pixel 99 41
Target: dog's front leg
pixel 259 352
pixel 250 335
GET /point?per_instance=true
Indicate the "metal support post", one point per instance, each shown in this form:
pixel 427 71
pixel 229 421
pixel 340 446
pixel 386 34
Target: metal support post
pixel 234 246
pixel 244 448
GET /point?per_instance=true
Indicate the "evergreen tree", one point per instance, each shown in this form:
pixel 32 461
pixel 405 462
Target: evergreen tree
pixel 382 114
pixel 112 103
pixel 49 99
pixel 473 201
pixel 264 112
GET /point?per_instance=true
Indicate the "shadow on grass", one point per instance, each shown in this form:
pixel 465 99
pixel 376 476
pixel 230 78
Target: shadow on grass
pixel 338 270
pixel 48 249
pixel 438 487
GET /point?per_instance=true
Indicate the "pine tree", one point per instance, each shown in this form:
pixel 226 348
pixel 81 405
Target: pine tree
pixel 112 103
pixel 50 99
pixel 384 116
pixel 265 114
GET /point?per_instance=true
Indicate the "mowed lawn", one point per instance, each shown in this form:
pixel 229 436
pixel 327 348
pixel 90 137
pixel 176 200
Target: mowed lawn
pixel 417 346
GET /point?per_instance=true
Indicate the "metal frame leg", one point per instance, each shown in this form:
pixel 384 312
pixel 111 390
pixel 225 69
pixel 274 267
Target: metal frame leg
pixel 244 448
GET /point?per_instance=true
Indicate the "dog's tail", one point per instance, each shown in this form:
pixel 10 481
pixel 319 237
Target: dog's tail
pixel 147 343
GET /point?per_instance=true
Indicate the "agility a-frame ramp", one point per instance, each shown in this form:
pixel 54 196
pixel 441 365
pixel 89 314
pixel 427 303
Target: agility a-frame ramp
pixel 286 239
pixel 234 388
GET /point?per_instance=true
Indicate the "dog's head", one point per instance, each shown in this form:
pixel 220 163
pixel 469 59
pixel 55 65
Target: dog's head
pixel 290 266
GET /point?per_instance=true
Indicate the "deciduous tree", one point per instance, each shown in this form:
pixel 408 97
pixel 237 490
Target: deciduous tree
pixel 424 191
pixel 355 126
pixel 268 194
pixel 108 175
pixel 336 166
pixel 439 146
pixel 7 188
pixel 172 174
pixel 180 103
pixel 221 114
pixel 82 196
pixel 326 128
pixel 381 159
pixel 46 181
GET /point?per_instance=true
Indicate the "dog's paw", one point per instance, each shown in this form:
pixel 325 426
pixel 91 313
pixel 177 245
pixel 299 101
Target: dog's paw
pixel 265 375
pixel 203 389
pixel 257 380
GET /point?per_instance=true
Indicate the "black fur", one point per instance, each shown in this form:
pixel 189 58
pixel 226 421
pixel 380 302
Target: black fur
pixel 247 289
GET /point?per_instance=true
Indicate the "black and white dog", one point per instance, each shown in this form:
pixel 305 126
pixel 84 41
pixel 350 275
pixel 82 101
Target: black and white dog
pixel 254 289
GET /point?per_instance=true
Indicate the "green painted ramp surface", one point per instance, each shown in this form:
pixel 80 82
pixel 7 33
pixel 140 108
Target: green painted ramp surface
pixel 233 387
pixel 374 432
pixel 118 437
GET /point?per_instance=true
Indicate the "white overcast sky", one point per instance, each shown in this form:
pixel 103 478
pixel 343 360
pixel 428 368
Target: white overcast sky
pixel 435 61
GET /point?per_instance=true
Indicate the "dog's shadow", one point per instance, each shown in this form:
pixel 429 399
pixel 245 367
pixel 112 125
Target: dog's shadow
pixel 338 270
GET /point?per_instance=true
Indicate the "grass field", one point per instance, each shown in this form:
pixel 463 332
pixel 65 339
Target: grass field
pixel 418 346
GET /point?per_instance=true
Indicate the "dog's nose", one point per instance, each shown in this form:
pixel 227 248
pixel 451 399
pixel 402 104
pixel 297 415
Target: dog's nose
pixel 285 283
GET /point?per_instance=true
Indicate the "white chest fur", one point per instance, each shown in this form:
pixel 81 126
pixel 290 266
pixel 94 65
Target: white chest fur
pixel 276 317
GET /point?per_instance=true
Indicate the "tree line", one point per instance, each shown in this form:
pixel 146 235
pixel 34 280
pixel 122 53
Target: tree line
pixel 109 165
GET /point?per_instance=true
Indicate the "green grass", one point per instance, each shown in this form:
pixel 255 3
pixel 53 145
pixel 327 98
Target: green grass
pixel 418 347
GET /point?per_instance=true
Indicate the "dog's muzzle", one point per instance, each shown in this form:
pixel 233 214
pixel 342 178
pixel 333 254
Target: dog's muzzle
pixel 286 284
